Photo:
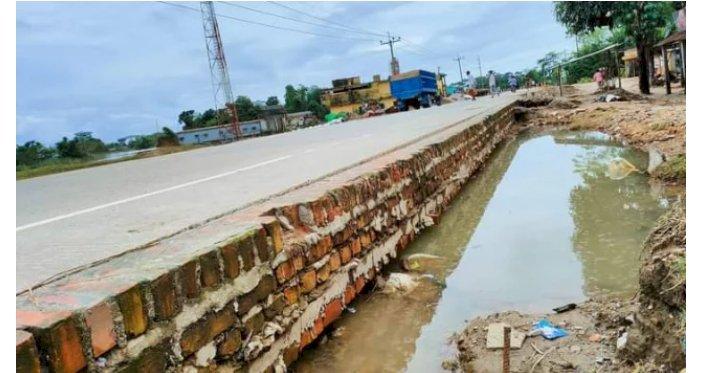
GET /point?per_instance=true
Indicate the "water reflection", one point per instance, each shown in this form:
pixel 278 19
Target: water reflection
pixel 540 227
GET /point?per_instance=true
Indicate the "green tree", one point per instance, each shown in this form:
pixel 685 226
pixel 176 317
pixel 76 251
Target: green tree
pixel 246 109
pixel 32 153
pixel 143 142
pixel 546 63
pixel 643 21
pixel 70 148
pixel 272 100
pixel 187 119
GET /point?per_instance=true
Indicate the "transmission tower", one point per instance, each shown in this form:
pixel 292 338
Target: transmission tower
pixel 218 66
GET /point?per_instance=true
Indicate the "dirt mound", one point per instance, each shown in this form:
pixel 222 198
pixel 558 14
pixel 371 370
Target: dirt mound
pixel 563 103
pixel 658 337
pixel 593 331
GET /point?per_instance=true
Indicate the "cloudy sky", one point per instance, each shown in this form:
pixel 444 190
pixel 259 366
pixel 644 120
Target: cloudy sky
pixel 119 68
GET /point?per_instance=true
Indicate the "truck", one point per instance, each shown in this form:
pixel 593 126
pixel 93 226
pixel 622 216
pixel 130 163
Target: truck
pixel 416 89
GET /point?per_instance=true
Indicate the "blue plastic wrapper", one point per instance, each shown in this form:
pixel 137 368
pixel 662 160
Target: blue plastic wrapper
pixel 548 330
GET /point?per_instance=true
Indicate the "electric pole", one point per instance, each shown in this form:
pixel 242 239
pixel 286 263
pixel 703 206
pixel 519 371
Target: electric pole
pixel 218 66
pixel 459 57
pixel 394 64
pixel 480 69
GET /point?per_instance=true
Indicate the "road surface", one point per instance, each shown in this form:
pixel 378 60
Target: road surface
pixel 75 218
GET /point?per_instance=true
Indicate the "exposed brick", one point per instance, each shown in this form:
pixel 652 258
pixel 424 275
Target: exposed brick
pixel 231 264
pixel 275 231
pixel 349 294
pixel 277 304
pixel 318 327
pixel 245 303
pixel 323 274
pixel 308 281
pixel 27 358
pixel 265 287
pixel 203 331
pixel 163 293
pixel 152 359
pixel 132 307
pixel 291 294
pixel 298 262
pixel 345 254
pixel 254 324
pixel 61 344
pixel 355 247
pixel 265 253
pixel 285 271
pixel 209 270
pixel 333 310
pixel 335 261
pixel 306 338
pixel 246 248
pixel 365 240
pixel 99 320
pixel 231 343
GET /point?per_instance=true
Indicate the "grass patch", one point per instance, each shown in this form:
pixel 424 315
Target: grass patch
pixel 63 165
pixel 672 169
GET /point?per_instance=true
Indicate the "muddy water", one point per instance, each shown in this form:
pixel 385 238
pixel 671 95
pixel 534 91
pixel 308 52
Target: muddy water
pixel 543 225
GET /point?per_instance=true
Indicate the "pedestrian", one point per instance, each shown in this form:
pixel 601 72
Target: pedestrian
pixel 492 82
pixel 512 81
pixel 471 84
pixel 599 78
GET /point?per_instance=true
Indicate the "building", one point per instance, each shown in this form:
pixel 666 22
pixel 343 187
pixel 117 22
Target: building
pixel 221 134
pixel 275 117
pixel 301 119
pixel 349 94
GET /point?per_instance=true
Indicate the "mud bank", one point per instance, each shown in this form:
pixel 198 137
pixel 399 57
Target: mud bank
pixel 252 289
pixel 645 333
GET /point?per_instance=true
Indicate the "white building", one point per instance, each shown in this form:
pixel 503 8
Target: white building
pixel 220 134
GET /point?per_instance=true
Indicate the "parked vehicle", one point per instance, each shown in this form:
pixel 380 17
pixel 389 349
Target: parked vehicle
pixel 416 89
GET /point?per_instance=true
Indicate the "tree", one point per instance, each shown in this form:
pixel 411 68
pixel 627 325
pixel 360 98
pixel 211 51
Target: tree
pixel 143 142
pixel 272 100
pixel 546 63
pixel 246 109
pixel 643 21
pixel 187 119
pixel 70 148
pixel 31 153
pixel 167 138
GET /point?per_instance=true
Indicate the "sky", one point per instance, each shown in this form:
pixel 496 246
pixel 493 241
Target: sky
pixel 119 69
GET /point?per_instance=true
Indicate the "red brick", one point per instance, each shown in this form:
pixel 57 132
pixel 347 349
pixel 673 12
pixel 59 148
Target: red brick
pixel 285 271
pixel 152 359
pixel 345 254
pixel 254 324
pixel 209 270
pixel 266 285
pixel 275 231
pixel 298 262
pixel 245 303
pixel 231 264
pixel 318 212
pixel 132 307
pixel 27 358
pixel 62 346
pixel 306 338
pixel 359 284
pixel 308 281
pixel 316 252
pixel 246 249
pixel 335 261
pixel 318 327
pixel 291 354
pixel 323 274
pixel 365 240
pixel 291 294
pixel 163 292
pixel 333 310
pixel 292 214
pixel 232 342
pixel 355 247
pixel 349 294
pixel 189 279
pixel 203 331
pixel 264 251
pixel 99 321
pixel 276 306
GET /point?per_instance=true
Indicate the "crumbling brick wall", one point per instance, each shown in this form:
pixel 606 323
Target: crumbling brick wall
pixel 255 299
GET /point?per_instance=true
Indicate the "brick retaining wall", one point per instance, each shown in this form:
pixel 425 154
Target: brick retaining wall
pixel 251 289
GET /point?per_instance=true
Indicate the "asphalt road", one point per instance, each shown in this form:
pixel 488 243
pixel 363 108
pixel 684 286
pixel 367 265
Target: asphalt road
pixel 74 218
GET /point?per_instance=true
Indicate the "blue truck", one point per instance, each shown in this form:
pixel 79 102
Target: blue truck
pixel 416 89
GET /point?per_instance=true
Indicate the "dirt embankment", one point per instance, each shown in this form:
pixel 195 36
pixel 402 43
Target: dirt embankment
pixel 643 334
pixel 653 124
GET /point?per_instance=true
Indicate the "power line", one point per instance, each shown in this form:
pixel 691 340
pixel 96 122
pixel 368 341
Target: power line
pixel 326 20
pixel 289 18
pixel 268 25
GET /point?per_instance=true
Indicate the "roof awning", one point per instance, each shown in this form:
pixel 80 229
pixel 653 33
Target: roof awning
pixel 672 39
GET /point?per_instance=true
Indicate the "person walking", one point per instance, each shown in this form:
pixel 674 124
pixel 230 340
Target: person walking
pixel 513 83
pixel 599 78
pixel 470 84
pixel 492 82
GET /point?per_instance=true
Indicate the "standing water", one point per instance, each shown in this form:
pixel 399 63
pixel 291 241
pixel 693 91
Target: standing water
pixel 543 225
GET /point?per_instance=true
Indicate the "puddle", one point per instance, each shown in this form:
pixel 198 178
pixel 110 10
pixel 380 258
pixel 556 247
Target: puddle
pixel 540 227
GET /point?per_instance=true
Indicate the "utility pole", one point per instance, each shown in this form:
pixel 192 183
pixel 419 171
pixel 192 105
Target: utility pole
pixel 458 58
pixel 480 69
pixel 394 64
pixel 218 66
